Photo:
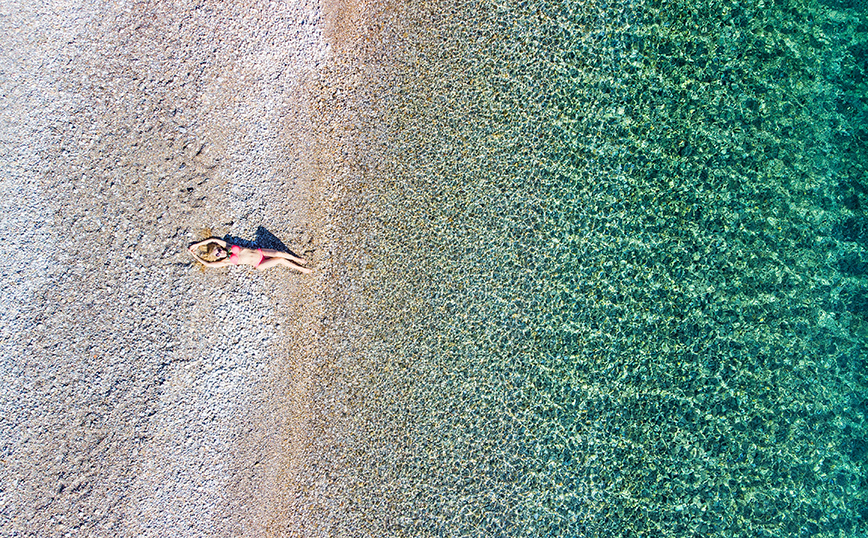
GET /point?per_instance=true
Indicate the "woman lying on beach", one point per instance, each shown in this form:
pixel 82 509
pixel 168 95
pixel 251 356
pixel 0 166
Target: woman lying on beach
pixel 261 258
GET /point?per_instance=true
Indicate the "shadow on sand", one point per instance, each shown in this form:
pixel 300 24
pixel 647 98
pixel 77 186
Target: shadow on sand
pixel 264 239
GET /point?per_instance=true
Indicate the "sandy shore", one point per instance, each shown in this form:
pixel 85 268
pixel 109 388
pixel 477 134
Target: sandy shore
pixel 144 396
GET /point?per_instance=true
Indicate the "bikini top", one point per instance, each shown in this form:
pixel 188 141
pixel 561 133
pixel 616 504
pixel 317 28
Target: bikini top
pixel 234 256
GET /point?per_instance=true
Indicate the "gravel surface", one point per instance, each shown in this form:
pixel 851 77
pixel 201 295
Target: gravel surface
pixel 144 396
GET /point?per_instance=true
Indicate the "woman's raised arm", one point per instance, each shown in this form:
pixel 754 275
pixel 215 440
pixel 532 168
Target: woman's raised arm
pixel 206 263
pixel 220 242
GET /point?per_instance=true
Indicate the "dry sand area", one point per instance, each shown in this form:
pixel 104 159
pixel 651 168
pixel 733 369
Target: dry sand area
pixel 143 395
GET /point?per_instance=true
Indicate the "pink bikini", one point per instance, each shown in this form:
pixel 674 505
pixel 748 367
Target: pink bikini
pixel 234 256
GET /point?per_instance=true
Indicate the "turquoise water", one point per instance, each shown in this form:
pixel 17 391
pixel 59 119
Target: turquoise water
pixel 606 275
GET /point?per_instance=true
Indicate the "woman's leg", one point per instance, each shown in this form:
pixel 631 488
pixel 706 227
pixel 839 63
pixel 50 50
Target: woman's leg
pixel 271 253
pixel 274 262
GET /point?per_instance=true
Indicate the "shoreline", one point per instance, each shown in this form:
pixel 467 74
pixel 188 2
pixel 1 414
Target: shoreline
pixel 343 107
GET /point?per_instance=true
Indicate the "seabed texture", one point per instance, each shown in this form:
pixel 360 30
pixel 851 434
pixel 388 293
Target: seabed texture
pixel 582 269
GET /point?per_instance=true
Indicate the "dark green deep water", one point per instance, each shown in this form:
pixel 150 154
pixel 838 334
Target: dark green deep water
pixel 614 274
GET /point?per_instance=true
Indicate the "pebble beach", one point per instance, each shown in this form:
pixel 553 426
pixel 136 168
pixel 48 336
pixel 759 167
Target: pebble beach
pixel 580 269
pixel 145 396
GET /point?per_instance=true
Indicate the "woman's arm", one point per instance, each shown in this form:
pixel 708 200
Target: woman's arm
pixel 221 263
pixel 220 242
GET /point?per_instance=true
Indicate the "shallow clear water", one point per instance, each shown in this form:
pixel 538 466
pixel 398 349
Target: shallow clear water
pixel 609 275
